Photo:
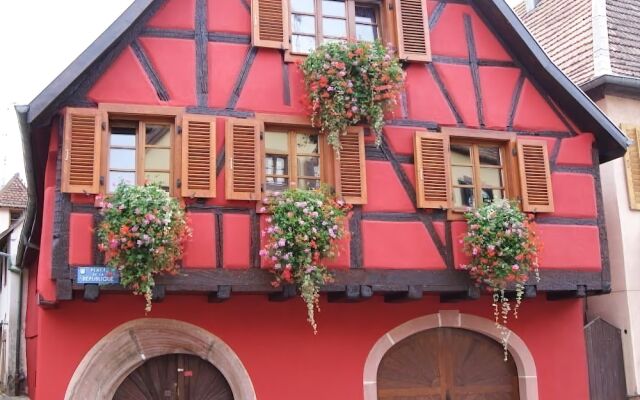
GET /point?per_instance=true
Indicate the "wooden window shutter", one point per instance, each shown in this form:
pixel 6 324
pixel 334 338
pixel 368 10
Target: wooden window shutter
pixel 433 170
pixel 81 151
pixel 270 23
pixel 351 177
pixel 632 166
pixel 198 156
pixel 413 30
pixel 535 176
pixel 242 155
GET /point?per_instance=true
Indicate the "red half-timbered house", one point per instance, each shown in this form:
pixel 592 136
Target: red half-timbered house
pixel 401 320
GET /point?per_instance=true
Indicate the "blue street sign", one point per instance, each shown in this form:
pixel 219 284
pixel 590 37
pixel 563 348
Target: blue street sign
pixel 98 275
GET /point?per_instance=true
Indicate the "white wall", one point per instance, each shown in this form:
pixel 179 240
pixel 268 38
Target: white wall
pixel 5 219
pixel 622 307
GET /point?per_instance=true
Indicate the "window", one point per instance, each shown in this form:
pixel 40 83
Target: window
pixel 140 152
pixel 461 168
pixel 139 144
pixel 477 172
pixel 314 22
pixel 293 158
pixel 299 26
pixel 14 216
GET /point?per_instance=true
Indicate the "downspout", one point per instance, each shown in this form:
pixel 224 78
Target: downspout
pixel 30 215
pixel 17 375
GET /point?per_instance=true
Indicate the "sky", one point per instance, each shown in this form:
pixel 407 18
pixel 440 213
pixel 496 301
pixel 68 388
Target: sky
pixel 40 39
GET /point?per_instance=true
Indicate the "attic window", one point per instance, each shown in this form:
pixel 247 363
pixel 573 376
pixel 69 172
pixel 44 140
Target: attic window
pixel 314 22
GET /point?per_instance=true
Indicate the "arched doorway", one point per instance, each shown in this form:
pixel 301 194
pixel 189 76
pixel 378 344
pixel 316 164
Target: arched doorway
pixel 518 350
pixel 102 369
pixel 175 377
pixel 447 364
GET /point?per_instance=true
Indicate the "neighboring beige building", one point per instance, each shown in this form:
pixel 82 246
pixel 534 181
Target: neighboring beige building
pixel 597 44
pixel 13 283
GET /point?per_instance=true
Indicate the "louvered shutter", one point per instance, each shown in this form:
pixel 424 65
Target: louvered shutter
pixel 270 23
pixel 351 178
pixel 198 156
pixel 81 151
pixel 433 166
pixel 242 155
pixel 413 30
pixel 632 165
pixel 535 176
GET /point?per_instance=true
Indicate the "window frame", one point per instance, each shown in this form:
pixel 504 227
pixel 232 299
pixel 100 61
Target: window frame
pixel 383 18
pixel 289 123
pixel 508 145
pixel 141 114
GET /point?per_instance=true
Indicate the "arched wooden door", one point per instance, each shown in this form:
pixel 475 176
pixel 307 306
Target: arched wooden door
pixel 447 364
pixel 175 377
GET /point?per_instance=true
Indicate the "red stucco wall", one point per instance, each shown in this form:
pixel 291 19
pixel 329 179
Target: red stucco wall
pixel 283 357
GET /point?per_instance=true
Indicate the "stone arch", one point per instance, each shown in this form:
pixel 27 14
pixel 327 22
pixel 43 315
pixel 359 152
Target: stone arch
pixel 527 375
pixel 126 347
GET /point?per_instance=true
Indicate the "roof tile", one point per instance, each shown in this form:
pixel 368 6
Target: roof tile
pixel 14 194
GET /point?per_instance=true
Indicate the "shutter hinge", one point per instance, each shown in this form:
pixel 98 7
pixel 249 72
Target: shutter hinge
pixel 262 188
pixel 390 6
pixel 103 125
pixel 514 151
pixel 101 180
pixel 261 135
pixel 179 129
pixel 178 183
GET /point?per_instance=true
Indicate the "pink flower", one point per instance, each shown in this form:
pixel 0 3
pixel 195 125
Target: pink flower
pixel 263 209
pixel 282 242
pixel 263 253
pixel 515 267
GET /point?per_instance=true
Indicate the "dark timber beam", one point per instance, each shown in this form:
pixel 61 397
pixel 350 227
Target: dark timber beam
pixel 221 295
pixel 91 293
pixel 579 292
pixel 472 293
pixel 530 291
pixel 351 294
pixel 288 291
pixel 413 292
pixel 158 293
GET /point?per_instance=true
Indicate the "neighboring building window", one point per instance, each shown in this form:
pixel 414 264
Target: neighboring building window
pixel 314 22
pixel 14 216
pixel 477 173
pixel 140 152
pixel 293 158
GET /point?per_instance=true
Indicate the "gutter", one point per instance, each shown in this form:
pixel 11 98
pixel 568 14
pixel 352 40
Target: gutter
pixel 25 244
pixel 615 83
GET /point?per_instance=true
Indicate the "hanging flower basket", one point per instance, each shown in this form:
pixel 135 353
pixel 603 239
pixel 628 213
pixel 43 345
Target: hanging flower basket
pixel 303 229
pixel 501 242
pixel 142 234
pixel 351 83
